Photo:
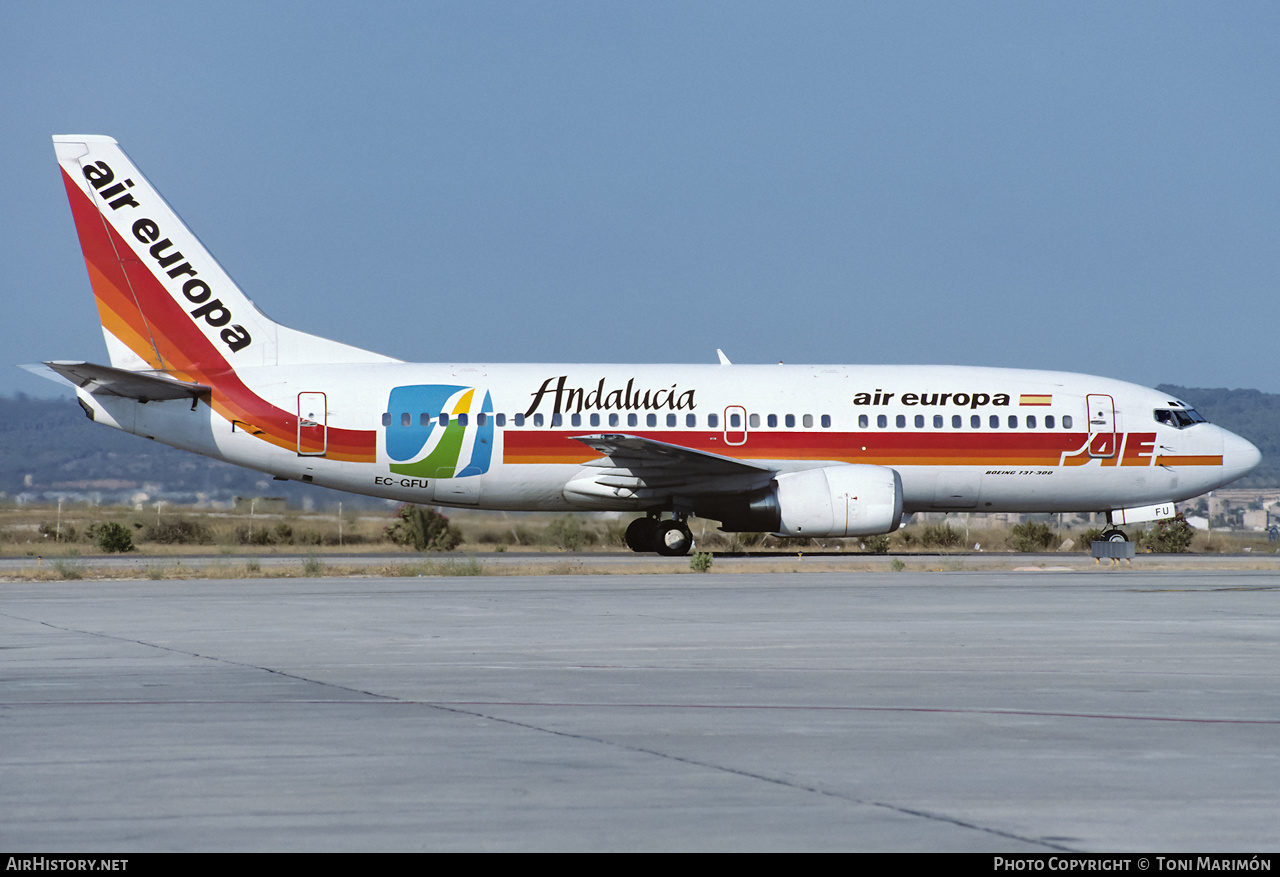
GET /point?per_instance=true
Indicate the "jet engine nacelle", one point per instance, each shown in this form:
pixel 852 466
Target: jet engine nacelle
pixel 848 500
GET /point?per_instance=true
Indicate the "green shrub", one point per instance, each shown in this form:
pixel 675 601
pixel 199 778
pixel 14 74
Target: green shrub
pixel 423 529
pixel 1031 536
pixel 67 570
pixel 568 533
pixel 1169 537
pixel 259 535
pixel 50 531
pixel 179 531
pixel 111 537
pixel 1093 534
pixel 878 544
pixel 940 536
pixel 701 562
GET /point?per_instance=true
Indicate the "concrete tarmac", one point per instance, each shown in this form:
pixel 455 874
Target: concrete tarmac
pixel 945 711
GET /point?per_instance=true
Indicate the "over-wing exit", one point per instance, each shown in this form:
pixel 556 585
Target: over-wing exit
pixel 795 450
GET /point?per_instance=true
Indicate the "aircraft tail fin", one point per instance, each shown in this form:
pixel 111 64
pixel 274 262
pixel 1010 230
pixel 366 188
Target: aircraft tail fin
pixel 165 303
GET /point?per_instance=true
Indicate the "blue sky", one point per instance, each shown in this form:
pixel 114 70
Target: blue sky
pixel 1084 186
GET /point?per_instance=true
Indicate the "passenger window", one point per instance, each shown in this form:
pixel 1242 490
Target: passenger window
pixel 754 420
pixel 1048 421
pixel 671 420
pixel 826 421
pixel 791 421
pixel 501 419
pixel 1066 421
pixel 735 421
pixel 863 423
pixel 386 418
pixel 462 419
pixel 807 420
pixel 995 421
pixel 556 419
pixel 713 420
pixel 937 421
pixel 537 420
pixel 404 419
pixel 901 421
pixel 773 421
pixel 595 419
pixel 518 420
pixel 482 419
pixel 881 421
pixel 956 421
pixel 613 420
pixel 691 420
pixel 444 419
pixel 651 420
pixel 1031 421
pixel 632 420
pixel 1013 421
pixel 919 421
pixel 975 421
pixel 575 420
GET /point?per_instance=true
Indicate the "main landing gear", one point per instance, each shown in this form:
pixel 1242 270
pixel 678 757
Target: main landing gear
pixel 670 538
pixel 1113 534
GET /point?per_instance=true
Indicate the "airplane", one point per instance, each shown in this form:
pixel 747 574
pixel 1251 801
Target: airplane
pixel 795 450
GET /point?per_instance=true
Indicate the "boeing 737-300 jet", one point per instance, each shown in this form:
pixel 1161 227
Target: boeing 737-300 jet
pixel 797 450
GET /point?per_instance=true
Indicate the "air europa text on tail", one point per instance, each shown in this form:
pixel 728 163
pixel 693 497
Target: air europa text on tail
pixel 168 258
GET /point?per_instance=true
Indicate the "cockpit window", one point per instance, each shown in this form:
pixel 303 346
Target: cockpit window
pixel 1178 418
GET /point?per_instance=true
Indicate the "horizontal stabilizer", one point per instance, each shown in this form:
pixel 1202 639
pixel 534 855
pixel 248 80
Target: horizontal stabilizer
pixel 103 380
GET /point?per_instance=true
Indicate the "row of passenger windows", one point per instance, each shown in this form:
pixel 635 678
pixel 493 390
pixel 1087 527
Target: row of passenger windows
pixel 632 419
pixel 957 421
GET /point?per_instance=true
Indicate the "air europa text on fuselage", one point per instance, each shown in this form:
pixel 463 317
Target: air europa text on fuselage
pixel 970 400
pixel 211 310
pixel 572 400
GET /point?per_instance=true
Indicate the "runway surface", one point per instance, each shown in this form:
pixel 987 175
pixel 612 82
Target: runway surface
pixel 955 711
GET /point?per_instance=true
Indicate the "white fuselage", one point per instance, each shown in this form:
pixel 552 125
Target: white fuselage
pixel 962 438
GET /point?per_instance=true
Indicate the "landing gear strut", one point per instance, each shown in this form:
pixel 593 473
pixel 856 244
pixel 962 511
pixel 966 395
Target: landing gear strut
pixel 670 538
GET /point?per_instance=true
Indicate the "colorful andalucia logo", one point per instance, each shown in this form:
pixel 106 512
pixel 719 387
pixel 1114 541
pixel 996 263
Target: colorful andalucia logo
pixel 438 431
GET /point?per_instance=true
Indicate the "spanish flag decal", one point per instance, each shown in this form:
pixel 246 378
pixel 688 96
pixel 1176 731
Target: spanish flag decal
pixel 1035 399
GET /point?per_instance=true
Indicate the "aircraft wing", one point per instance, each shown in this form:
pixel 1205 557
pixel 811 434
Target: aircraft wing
pixel 641 468
pixel 103 380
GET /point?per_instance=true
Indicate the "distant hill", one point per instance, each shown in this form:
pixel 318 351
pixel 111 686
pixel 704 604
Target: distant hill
pixel 1249 413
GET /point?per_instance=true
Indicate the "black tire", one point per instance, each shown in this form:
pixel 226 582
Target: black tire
pixel 639 535
pixel 1114 536
pixel 672 539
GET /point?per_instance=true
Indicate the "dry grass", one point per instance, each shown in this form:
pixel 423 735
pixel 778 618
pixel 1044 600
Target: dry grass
pixel 567 542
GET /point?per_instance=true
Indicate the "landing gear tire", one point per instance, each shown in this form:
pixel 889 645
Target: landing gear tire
pixel 640 534
pixel 1114 535
pixel 672 539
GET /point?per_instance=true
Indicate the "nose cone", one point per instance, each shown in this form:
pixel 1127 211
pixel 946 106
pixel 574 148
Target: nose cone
pixel 1239 456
